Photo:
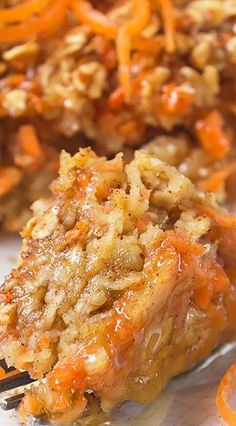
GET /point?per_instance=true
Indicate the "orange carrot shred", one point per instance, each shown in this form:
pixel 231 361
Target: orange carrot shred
pixel 209 281
pixel 6 297
pixel 9 177
pixel 123 51
pixel 216 180
pixel 29 141
pixel 22 11
pixel 176 100
pixel 167 12
pixel 226 388
pixel 46 23
pixel 98 22
pixel 141 16
pixel 212 135
pixel 116 98
pixel 148 45
pixel 220 217
pixel 15 80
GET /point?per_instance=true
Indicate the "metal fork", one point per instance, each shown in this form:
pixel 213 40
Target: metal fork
pixel 12 382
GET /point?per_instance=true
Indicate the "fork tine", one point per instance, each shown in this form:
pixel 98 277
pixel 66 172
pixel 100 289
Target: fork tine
pixel 11 402
pixel 4 366
pixel 15 381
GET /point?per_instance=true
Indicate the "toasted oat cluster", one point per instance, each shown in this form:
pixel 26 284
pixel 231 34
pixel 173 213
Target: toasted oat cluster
pixel 126 278
pixel 77 71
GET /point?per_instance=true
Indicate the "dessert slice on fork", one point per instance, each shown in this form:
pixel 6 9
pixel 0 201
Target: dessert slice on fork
pixel 126 278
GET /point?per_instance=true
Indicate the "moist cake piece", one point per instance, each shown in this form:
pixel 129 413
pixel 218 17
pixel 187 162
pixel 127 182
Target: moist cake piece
pixel 126 278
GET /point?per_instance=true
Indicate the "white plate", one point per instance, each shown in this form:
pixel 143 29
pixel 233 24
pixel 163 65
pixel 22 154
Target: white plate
pixel 188 401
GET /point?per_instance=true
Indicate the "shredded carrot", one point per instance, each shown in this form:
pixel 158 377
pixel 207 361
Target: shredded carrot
pixel 211 133
pixel 22 11
pixel 96 20
pixel 123 51
pixel 15 80
pixel 167 12
pixel 46 23
pixel 38 17
pixel 182 243
pixel 216 180
pixel 9 177
pixel 177 100
pixel 29 141
pixel 220 217
pixel 152 46
pixel 141 16
pixel 226 388
pixel 116 98
pixel 6 297
pixel 127 37
pixel 210 279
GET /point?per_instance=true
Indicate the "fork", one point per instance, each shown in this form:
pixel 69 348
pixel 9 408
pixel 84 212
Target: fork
pixel 13 381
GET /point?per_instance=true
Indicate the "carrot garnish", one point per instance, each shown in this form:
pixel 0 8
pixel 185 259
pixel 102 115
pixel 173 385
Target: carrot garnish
pixel 211 133
pixel 96 20
pixel 141 16
pixel 9 177
pixel 182 243
pixel 46 23
pixel 123 51
pixel 116 98
pixel 152 46
pixel 215 182
pixel 15 80
pixel 29 141
pixel 211 279
pixel 22 11
pixel 177 100
pixel 225 390
pixel 127 37
pixel 6 297
pixel 167 12
pixel 219 217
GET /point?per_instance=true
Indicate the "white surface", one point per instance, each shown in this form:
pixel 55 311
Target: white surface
pixel 188 401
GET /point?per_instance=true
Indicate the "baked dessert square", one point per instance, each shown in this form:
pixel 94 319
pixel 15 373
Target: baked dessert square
pixel 126 278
